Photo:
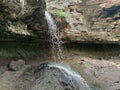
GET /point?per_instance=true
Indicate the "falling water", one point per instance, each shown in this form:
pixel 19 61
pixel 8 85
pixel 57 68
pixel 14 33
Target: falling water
pixel 22 3
pixel 81 84
pixel 52 76
pixel 55 40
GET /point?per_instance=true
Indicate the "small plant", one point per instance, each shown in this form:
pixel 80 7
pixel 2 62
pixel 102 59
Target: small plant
pixel 61 14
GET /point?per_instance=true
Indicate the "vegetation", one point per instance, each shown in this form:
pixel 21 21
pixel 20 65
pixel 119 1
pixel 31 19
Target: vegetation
pixel 62 14
pixel 18 50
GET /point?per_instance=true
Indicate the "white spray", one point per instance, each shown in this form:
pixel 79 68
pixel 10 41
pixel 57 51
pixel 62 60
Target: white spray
pixel 54 37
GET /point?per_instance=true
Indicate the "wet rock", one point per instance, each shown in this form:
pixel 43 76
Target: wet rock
pixel 16 65
pixel 48 76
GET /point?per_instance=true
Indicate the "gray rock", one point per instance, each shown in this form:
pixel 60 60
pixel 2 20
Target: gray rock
pixel 3 69
pixel 16 65
pixel 3 66
pixel 48 76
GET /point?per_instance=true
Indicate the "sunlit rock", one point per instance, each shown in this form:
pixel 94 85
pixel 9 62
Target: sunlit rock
pixel 96 21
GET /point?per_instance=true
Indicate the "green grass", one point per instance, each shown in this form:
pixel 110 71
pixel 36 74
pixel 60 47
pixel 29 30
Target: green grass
pixel 20 50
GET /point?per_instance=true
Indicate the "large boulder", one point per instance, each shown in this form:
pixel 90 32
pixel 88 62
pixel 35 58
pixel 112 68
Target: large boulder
pixel 96 21
pixel 49 76
pixel 16 65
pixel 22 18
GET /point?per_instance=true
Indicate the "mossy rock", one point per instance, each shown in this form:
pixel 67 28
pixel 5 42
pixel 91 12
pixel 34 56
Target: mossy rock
pixel 22 18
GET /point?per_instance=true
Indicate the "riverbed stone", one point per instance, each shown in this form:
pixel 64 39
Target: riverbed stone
pixel 16 65
pixel 48 76
pixel 3 66
pixel 3 69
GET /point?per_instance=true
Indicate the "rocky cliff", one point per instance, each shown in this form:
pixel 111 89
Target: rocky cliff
pixel 21 19
pixel 96 21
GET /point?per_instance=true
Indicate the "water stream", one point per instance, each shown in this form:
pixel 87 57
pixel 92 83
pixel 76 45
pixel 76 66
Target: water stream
pixel 52 76
pixel 56 42
pixel 79 84
pixel 22 3
pixel 68 76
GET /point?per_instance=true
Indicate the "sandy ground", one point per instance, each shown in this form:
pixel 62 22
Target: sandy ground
pixel 104 73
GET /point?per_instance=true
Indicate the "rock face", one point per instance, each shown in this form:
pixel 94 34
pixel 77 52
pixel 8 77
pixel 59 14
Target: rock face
pixel 21 18
pixel 96 21
pixel 51 77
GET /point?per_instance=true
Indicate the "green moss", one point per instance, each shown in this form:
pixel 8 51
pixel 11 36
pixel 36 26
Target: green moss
pixel 21 66
pixel 62 14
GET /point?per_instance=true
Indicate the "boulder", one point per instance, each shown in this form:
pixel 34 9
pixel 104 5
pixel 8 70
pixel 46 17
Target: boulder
pixel 49 76
pixel 16 65
pixel 96 21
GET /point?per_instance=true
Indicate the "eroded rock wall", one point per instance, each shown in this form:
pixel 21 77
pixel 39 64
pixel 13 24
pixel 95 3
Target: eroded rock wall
pixel 22 18
pixel 96 21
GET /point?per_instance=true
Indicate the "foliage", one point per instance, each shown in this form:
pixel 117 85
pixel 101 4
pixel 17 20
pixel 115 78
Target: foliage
pixel 20 50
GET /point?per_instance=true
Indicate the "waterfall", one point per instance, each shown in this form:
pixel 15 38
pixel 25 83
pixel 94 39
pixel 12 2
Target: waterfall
pixel 80 83
pixel 52 76
pixel 55 40
pixel 22 3
pixel 65 74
